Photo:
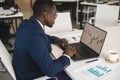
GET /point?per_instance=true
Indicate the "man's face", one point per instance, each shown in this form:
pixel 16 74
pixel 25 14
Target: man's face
pixel 51 16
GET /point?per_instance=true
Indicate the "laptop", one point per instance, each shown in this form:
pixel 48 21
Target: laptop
pixel 91 43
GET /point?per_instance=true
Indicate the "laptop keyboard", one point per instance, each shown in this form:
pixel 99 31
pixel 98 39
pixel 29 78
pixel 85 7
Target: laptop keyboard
pixel 81 52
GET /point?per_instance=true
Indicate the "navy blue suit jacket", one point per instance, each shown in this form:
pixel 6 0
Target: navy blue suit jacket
pixel 31 58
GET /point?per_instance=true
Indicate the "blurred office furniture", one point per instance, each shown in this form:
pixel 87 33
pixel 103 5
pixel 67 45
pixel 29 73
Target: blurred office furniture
pixel 87 9
pixel 12 14
pixel 12 17
pixel 62 24
pixel 6 4
pixel 5 33
pixel 68 5
pixel 106 15
pixel 6 62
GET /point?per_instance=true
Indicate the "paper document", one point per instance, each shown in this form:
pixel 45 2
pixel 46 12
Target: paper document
pixel 97 70
pixel 73 39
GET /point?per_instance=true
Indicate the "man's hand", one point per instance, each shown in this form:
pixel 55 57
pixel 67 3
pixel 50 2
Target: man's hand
pixel 62 43
pixel 70 51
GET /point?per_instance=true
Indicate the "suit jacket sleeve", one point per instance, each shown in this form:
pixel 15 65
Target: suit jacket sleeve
pixel 38 48
pixel 52 39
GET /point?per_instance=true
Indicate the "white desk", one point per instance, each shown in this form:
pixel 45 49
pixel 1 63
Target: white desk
pixel 112 42
pixel 65 0
pixel 85 9
pixel 17 15
pixel 69 34
pixel 5 15
pixel 95 4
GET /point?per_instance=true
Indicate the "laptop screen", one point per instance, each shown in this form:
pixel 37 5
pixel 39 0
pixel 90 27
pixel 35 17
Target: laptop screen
pixel 93 37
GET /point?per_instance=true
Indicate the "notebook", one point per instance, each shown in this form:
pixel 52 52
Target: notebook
pixel 91 43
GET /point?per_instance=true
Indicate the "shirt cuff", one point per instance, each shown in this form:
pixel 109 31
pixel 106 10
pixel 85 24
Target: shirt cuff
pixel 69 59
pixel 66 56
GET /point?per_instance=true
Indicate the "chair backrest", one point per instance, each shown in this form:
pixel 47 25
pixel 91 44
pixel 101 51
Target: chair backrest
pixel 6 60
pixel 106 15
pixel 62 23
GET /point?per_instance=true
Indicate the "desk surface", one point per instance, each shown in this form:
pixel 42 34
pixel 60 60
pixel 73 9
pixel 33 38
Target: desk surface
pixel 5 14
pixel 111 43
pixel 95 4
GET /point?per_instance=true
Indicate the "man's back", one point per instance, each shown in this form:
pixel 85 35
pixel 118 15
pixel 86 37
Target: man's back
pixel 27 67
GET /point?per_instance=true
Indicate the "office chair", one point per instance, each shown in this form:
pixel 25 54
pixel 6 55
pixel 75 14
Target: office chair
pixel 6 64
pixel 6 61
pixel 106 15
pixel 62 23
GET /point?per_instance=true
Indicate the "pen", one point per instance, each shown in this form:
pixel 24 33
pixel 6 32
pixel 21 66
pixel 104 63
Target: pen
pixel 74 38
pixel 92 60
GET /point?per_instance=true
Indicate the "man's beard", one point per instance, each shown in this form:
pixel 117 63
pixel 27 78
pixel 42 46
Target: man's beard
pixel 50 25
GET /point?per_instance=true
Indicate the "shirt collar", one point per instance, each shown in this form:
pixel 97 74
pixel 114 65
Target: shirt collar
pixel 40 24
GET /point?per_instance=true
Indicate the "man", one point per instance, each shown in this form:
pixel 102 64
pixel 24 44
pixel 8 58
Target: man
pixel 31 58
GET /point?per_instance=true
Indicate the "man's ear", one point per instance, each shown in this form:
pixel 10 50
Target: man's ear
pixel 46 15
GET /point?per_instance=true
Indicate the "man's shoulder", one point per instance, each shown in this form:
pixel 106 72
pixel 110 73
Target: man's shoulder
pixel 31 20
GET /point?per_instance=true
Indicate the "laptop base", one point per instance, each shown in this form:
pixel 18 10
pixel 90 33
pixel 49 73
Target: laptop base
pixel 82 52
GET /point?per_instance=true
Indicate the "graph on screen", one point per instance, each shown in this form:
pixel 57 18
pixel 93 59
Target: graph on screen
pixel 93 37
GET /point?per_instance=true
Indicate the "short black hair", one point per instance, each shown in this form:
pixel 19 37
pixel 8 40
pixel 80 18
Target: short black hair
pixel 41 6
